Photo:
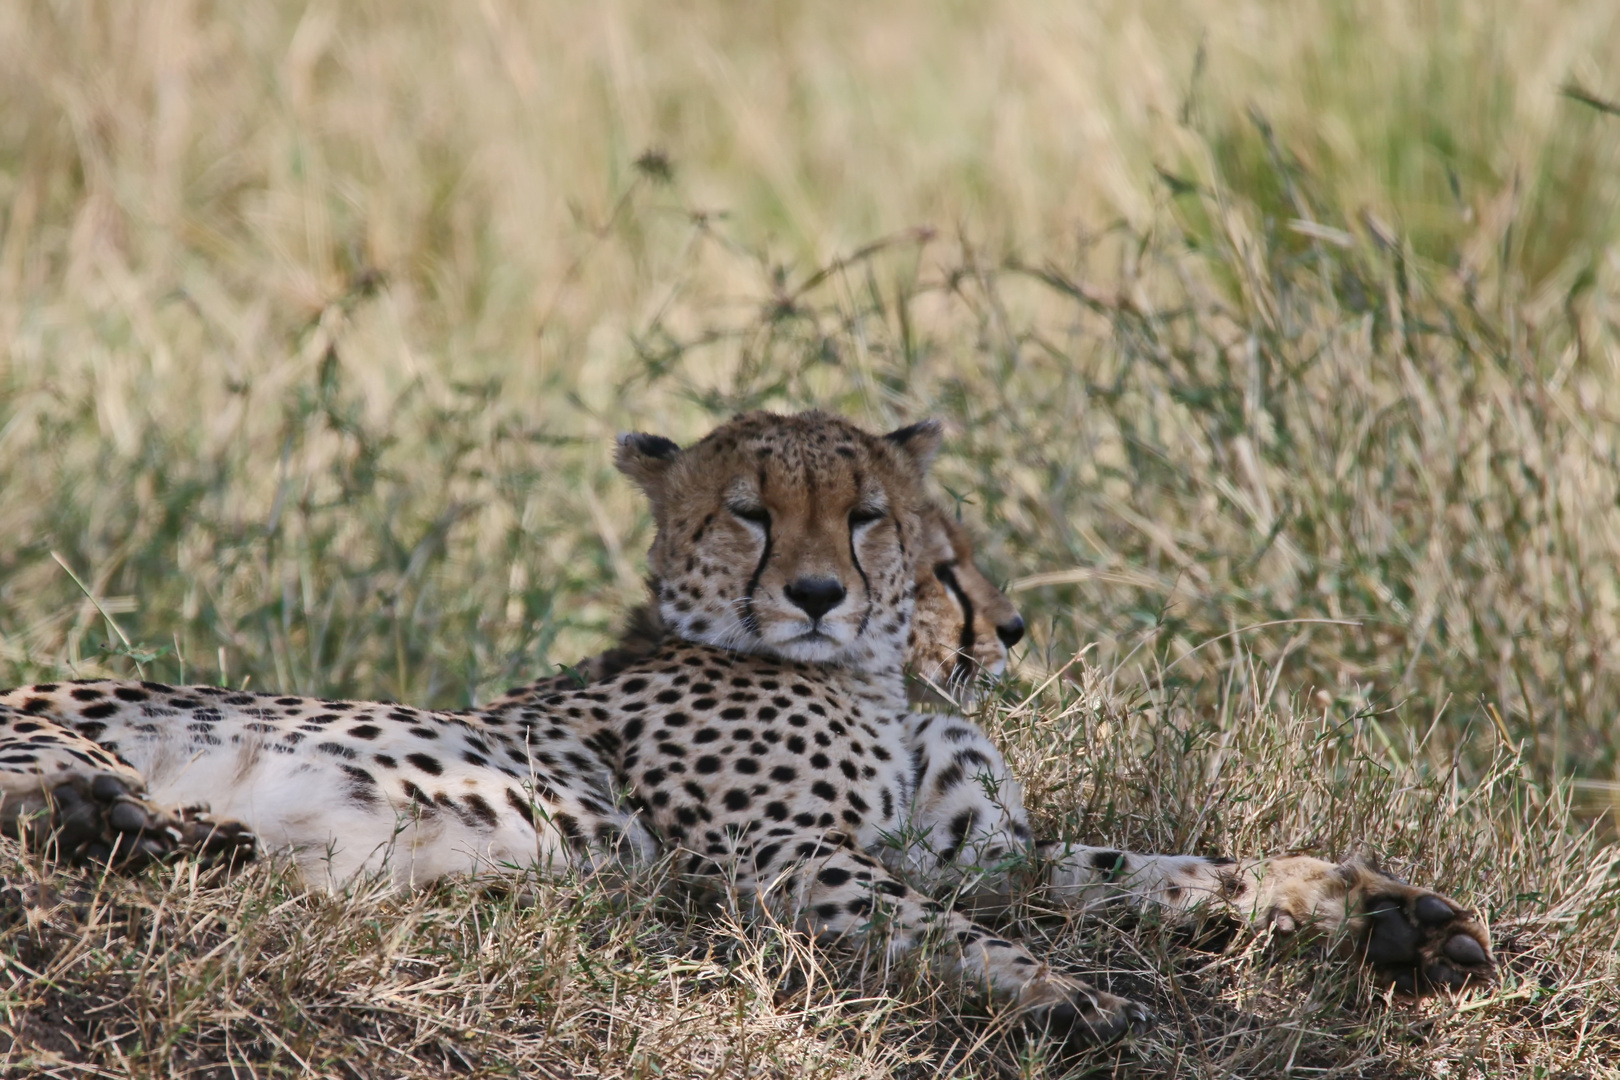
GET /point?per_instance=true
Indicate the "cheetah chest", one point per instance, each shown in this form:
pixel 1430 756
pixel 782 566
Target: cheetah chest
pixel 733 754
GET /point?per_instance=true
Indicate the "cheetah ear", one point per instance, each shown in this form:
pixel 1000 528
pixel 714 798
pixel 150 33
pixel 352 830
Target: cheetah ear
pixel 645 459
pixel 919 442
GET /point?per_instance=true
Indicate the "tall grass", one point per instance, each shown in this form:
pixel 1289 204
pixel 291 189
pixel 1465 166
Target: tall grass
pixel 1278 344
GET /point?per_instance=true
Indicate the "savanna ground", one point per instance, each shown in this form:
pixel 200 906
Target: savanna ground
pixel 1280 349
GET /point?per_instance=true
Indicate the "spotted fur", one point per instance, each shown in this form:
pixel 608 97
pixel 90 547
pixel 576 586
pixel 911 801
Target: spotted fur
pixel 767 738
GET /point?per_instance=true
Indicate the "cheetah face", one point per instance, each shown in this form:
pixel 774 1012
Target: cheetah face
pixel 791 536
pixel 963 625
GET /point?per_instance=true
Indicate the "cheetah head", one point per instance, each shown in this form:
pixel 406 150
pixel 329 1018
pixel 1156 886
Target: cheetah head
pixel 792 536
pixel 963 626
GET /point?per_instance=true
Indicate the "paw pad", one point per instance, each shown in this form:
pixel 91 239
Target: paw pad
pixel 104 821
pixel 1420 942
pixel 1465 950
pixel 1430 910
pixel 1091 1017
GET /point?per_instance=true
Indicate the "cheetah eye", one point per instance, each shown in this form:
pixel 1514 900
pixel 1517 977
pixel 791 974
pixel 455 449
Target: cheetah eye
pixel 751 513
pixel 865 515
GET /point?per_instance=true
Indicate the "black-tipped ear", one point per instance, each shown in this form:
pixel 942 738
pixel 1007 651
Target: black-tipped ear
pixel 919 441
pixel 645 458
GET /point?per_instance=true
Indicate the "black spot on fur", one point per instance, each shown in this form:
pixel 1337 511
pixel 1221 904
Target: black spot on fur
pixel 427 764
pixel 570 829
pixel 418 796
pixel 481 809
pixel 362 785
pixel 1110 863
pixel 521 805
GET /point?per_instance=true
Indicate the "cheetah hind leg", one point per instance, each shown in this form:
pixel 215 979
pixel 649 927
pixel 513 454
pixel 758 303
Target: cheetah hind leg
pixel 100 818
pixel 60 788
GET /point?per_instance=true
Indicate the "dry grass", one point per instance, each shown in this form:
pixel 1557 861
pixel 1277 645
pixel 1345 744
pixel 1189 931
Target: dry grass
pixel 166 975
pixel 1280 349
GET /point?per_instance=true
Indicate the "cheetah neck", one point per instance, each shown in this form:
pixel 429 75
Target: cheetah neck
pixel 869 683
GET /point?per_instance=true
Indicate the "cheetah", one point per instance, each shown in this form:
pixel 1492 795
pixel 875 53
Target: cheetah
pixel 962 628
pixel 975 625
pixel 967 834
pixel 767 739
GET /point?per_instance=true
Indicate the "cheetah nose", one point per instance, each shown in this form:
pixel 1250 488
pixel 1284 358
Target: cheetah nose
pixel 816 595
pixel 1011 632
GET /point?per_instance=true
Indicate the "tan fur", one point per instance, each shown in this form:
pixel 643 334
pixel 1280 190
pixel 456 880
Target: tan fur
pixel 961 624
pixel 945 650
pixel 810 787
pixel 766 503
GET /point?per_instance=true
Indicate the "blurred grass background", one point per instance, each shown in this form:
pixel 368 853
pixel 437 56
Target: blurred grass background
pixel 318 319
pixel 1279 345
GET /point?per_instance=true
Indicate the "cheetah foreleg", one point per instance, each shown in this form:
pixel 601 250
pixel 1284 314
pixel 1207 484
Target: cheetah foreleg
pixel 834 892
pixel 1413 938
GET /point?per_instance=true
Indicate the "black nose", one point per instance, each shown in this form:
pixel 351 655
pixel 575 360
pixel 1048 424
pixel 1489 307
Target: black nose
pixel 1011 632
pixel 816 595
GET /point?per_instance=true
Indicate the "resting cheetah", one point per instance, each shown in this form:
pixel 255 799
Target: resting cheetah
pixel 283 795
pixel 961 629
pixel 769 740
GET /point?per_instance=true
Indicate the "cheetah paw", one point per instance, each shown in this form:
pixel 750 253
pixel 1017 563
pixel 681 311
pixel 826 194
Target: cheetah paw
pixel 101 820
pixel 1087 1016
pixel 1413 939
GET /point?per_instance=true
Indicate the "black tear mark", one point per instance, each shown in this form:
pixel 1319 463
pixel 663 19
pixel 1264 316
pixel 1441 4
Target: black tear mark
pixel 750 620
